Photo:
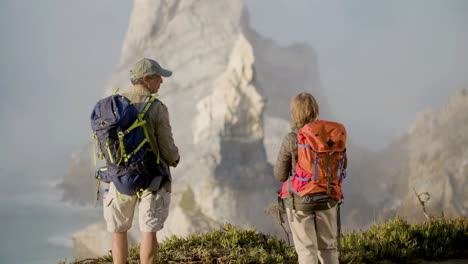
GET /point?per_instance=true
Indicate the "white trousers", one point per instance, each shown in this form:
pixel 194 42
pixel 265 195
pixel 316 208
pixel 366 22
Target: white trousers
pixel 314 235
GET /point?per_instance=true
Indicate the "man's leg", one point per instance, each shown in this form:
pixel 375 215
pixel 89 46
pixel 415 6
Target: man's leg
pixel 119 247
pixel 118 213
pixel 153 212
pixel 148 248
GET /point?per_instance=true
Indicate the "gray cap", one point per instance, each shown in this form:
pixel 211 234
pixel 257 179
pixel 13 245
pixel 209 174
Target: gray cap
pixel 146 67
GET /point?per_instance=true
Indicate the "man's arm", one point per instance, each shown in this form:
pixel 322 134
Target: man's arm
pixel 167 148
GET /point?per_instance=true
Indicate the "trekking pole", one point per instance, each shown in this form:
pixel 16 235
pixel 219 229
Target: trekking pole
pixel 97 194
pixel 98 187
pixel 281 211
pixel 338 219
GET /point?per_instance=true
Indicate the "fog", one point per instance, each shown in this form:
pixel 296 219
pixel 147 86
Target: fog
pixel 380 63
pixel 56 58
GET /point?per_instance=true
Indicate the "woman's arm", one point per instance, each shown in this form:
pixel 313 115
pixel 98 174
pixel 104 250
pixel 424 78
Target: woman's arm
pixel 284 161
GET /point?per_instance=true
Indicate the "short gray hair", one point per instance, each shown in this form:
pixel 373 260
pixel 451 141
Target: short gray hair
pixel 136 81
pixel 141 80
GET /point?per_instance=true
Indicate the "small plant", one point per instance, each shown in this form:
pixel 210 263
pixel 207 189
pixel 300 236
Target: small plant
pixel 423 198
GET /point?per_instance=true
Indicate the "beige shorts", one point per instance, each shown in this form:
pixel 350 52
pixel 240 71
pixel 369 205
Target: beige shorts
pixel 153 210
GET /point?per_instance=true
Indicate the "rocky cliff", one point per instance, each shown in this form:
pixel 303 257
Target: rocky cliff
pixel 432 157
pixel 438 161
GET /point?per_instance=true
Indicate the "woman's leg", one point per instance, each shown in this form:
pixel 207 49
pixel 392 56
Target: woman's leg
pixel 326 228
pixel 303 231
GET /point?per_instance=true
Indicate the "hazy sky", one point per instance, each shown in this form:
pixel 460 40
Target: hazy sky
pixel 380 63
pixel 57 57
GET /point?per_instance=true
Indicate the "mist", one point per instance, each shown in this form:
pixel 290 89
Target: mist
pixel 56 58
pixel 380 64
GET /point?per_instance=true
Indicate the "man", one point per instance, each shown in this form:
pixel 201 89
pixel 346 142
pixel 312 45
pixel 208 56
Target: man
pixel 146 77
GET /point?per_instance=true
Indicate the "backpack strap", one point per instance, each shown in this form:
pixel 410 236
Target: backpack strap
pixel 95 148
pixel 146 106
pixel 142 114
pixel 340 167
pixel 329 154
pixel 315 161
pixel 139 122
pixel 303 146
pixel 143 105
pixel 316 166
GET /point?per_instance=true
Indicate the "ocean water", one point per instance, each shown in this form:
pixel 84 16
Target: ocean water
pixel 38 229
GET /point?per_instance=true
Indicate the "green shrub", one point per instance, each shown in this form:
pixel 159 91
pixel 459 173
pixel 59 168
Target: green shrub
pixel 398 242
pixel 229 245
pixel 392 242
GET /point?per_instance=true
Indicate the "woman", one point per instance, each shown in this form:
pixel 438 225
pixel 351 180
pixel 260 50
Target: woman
pixel 314 230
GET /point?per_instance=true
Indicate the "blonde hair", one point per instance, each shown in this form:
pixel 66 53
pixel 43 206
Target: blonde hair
pixel 304 109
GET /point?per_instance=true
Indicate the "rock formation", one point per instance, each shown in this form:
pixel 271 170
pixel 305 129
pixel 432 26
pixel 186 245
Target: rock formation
pixel 431 157
pixel 280 74
pixel 438 161
pixel 78 184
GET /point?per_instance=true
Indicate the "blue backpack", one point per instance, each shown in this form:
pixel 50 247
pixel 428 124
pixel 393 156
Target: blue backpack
pixel 122 140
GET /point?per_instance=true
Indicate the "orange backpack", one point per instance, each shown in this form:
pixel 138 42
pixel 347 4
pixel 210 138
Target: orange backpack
pixel 321 161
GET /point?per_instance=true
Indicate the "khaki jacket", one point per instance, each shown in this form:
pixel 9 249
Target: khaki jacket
pixel 159 129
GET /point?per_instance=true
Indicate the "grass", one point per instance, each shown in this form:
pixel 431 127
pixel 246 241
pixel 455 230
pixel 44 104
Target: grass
pixel 398 242
pixel 392 242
